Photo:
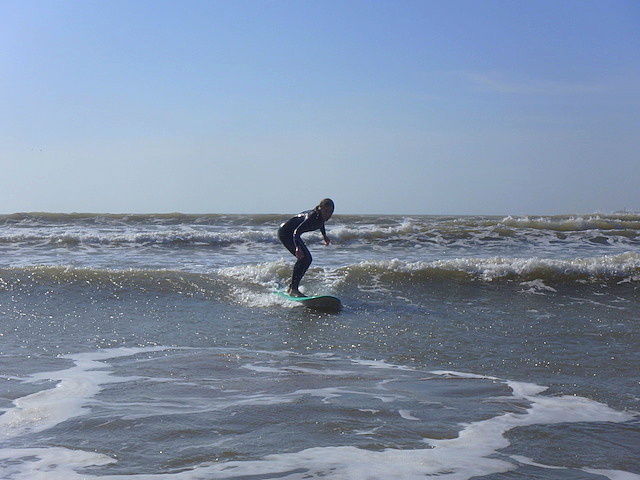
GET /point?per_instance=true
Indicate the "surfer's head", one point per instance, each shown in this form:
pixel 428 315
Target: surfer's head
pixel 325 207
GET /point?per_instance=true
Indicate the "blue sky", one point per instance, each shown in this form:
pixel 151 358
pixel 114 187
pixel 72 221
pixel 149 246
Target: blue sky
pixel 398 106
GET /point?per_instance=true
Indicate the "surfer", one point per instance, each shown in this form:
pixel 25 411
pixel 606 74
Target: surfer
pixel 289 234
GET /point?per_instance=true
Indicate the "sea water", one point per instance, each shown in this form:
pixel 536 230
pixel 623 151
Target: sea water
pixel 152 347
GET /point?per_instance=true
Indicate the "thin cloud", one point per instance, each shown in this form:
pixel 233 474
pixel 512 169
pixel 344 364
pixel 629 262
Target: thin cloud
pixel 498 83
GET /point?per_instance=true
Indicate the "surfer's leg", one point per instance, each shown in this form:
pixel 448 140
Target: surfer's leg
pixel 299 269
pixel 286 237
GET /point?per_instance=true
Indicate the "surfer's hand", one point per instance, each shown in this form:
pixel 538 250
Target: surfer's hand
pixel 327 241
pixel 299 254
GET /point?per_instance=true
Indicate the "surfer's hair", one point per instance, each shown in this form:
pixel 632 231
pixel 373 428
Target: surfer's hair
pixel 326 202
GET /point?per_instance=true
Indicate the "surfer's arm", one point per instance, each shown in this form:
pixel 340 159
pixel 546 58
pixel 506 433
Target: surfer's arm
pixel 327 240
pixel 310 223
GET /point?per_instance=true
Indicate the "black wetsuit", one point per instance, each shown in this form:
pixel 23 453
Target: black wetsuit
pixel 289 234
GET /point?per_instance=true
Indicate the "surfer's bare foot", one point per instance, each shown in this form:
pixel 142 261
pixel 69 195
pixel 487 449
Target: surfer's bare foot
pixel 294 292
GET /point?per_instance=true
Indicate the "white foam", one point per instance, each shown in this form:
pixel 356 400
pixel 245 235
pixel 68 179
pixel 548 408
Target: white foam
pixel 497 267
pixel 480 439
pixel 525 389
pixel 371 431
pixel 54 463
pixel 325 393
pixel 613 474
pixel 380 364
pixel 470 454
pixel 296 369
pixel 406 414
pixel 527 461
pixel 461 458
pixel 272 276
pixel 537 287
pixel 68 399
pixel 624 265
pixel 259 272
pixel 575 223
pixel 454 374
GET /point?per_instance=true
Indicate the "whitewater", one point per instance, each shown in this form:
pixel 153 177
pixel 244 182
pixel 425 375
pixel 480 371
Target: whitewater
pixel 152 347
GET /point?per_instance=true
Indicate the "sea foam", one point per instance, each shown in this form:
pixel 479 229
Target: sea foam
pixel 68 399
pixel 474 452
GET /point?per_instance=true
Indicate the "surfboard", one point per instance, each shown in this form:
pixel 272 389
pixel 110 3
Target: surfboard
pixel 317 302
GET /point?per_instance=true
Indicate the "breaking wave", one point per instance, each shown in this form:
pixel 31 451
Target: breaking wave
pixel 618 268
pixel 613 270
pixel 222 230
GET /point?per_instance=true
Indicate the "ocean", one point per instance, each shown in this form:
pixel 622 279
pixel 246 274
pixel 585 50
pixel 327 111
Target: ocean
pixel 152 347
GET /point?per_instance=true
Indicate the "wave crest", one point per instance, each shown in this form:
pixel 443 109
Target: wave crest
pixel 571 223
pixel 621 268
pixel 611 270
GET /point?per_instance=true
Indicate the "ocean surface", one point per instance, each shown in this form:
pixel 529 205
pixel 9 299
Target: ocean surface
pixel 152 347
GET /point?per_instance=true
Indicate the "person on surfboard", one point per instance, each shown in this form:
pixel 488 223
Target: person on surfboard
pixel 289 234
